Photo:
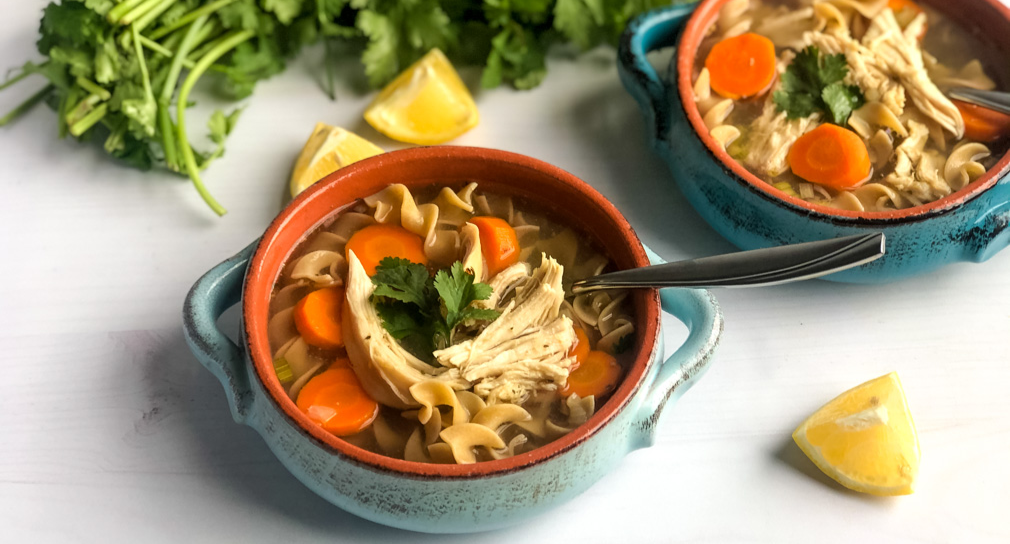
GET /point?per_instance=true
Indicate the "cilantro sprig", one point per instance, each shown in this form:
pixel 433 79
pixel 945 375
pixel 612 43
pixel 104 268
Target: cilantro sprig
pixel 814 83
pixel 120 71
pixel 423 312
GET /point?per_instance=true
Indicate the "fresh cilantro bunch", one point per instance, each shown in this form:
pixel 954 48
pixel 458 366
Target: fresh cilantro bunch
pixel 423 312
pixel 813 83
pixel 121 71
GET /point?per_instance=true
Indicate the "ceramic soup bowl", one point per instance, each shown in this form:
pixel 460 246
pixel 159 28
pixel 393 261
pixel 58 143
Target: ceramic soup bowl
pixel 969 225
pixel 430 497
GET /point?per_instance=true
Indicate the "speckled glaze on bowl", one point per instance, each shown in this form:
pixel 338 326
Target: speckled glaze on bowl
pixel 445 498
pixel 969 225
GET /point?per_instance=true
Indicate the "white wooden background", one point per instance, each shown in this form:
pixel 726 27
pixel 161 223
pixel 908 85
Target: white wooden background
pixel 110 431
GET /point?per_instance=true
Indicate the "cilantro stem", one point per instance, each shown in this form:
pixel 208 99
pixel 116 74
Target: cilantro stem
pixel 19 77
pixel 172 41
pixel 65 106
pixel 139 51
pixel 121 9
pixel 93 88
pixel 115 140
pixel 168 143
pixel 168 138
pixel 190 17
pixel 225 46
pixel 188 41
pixel 142 22
pixel 143 9
pixel 211 28
pixel 83 124
pixel 26 105
pixel 329 59
pixel 156 47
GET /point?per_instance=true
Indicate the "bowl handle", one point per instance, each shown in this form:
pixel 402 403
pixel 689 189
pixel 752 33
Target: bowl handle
pixel 219 289
pixel 991 232
pixel 648 32
pixel 697 309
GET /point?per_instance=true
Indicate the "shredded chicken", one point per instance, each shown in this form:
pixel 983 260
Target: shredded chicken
pixel 866 69
pixel 771 136
pixel 887 64
pixel 525 349
pixel 917 173
pixel 900 51
pixel 385 369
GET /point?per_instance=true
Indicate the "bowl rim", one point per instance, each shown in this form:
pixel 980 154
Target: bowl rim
pixel 691 38
pixel 255 308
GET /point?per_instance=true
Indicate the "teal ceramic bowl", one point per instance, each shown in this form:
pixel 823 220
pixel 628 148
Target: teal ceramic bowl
pixel 446 498
pixel 968 225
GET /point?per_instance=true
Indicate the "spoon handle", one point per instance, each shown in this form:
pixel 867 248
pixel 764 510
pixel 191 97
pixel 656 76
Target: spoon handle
pixel 770 266
pixel 993 100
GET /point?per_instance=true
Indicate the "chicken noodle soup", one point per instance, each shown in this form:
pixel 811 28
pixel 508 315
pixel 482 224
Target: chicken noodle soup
pixel 440 327
pixel 855 116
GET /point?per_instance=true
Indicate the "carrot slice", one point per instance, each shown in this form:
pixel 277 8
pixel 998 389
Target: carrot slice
pixel 335 400
pixel 597 375
pixel 580 349
pixel 831 156
pixel 498 243
pixel 376 242
pixel 901 5
pixel 742 66
pixel 318 315
pixel 982 124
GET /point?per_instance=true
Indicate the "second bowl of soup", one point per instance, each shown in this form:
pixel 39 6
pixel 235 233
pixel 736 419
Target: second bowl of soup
pixel 412 351
pixel 794 120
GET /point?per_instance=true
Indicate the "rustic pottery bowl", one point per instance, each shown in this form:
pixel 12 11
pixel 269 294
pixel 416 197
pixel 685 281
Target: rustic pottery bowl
pixel 445 498
pixel 969 225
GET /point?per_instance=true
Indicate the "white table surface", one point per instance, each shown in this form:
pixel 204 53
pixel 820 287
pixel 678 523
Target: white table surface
pixel 112 432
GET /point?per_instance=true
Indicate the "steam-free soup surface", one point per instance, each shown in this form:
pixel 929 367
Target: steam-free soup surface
pixel 439 326
pixel 877 69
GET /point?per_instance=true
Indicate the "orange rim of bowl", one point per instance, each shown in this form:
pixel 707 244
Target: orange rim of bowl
pixel 270 254
pixel 694 32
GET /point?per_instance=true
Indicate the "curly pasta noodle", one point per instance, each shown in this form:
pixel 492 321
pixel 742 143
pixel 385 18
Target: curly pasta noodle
pixel 962 167
pixel 733 19
pixel 480 397
pixel 436 222
pixel 714 111
pixel 604 313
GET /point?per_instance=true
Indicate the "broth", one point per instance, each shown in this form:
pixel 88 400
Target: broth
pixel 908 129
pixel 474 391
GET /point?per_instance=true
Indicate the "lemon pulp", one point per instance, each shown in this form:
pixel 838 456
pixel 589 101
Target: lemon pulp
pixel 426 104
pixel 865 438
pixel 327 150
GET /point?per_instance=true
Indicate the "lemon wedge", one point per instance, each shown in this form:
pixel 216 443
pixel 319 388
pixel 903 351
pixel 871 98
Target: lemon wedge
pixel 426 104
pixel 328 149
pixel 865 438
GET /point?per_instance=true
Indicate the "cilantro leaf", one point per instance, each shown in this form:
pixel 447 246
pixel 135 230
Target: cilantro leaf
pixel 579 20
pixel 842 100
pixel 408 327
pixel 457 290
pixel 71 24
pixel 478 314
pixel 284 10
pixel 399 319
pixel 813 84
pixel 380 56
pixel 422 312
pixel 402 280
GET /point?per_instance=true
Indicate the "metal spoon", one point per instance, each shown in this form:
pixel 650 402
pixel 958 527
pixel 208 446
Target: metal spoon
pixel 771 266
pixel 993 100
